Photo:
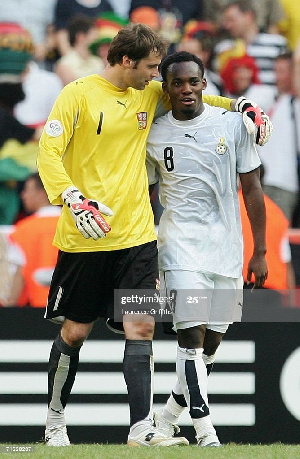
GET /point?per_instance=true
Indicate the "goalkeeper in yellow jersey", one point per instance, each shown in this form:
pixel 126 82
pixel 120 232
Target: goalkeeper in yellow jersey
pixel 92 161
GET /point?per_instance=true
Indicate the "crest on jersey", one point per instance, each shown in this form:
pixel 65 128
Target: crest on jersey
pixel 142 120
pixel 221 148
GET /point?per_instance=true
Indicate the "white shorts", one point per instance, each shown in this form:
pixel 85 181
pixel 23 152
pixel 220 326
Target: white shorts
pixel 196 298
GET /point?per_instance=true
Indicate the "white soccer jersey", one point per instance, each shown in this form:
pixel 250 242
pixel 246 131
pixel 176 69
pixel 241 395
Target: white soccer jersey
pixel 196 163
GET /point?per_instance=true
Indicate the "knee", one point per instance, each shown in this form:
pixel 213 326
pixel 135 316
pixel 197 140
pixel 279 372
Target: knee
pixel 191 338
pixel 74 335
pixel 139 330
pixel 212 341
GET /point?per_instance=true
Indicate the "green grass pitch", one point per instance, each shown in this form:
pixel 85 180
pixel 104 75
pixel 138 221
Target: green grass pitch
pixel 94 451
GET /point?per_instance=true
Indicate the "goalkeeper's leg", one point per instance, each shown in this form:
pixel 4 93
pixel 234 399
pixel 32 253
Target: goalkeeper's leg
pixel 63 364
pixel 138 372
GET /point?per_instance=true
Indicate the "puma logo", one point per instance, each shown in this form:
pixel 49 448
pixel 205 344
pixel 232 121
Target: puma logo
pixel 191 136
pixel 122 103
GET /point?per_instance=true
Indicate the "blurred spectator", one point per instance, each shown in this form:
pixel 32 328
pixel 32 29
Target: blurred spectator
pixel 173 15
pixel 269 13
pixel 149 16
pixel 65 10
pixel 108 25
pixel 41 88
pixel 240 20
pixel 18 149
pixel 6 268
pixel 79 60
pixel 290 25
pixel 121 8
pixel 296 76
pixel 279 155
pixel 34 15
pixel 240 77
pixel 198 38
pixel 31 249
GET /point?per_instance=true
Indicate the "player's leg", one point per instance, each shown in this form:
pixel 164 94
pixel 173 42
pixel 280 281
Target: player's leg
pixel 138 373
pixel 192 375
pixel 74 299
pixel 63 364
pixel 191 313
pixel 138 271
pixel 211 343
pixel 167 419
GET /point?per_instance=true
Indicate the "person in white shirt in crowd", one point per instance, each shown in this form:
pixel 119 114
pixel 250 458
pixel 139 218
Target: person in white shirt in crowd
pixel 280 157
pixel 79 60
pixel 41 88
pixel 240 21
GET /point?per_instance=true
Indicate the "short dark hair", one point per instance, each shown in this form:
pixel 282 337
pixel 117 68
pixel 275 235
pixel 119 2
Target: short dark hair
pixel 79 24
pixel 136 41
pixel 243 5
pixel 180 56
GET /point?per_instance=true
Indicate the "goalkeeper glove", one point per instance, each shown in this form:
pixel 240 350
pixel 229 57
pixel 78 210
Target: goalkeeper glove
pixel 86 214
pixel 255 120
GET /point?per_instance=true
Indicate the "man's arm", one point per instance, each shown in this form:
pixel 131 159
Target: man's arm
pixel 255 206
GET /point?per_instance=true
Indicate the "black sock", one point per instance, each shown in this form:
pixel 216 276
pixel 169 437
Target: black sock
pixel 63 364
pixel 179 399
pixel 138 368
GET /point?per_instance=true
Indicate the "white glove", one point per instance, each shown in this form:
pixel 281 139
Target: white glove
pixel 86 214
pixel 255 120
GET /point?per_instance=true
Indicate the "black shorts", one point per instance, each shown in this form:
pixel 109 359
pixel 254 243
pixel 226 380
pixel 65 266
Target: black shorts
pixel 83 284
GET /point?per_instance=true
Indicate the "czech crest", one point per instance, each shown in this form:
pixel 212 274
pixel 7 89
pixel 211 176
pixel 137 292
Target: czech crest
pixel 142 120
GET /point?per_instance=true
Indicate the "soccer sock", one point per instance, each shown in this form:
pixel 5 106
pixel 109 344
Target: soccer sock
pixel 175 404
pixel 192 375
pixel 63 364
pixel 209 362
pixel 138 372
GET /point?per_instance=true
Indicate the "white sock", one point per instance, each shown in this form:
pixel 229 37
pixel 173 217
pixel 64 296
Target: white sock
pixel 55 418
pixel 172 410
pixel 203 427
pixel 192 375
pixel 209 359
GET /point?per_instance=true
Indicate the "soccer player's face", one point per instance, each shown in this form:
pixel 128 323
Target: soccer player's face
pixel 145 71
pixel 184 86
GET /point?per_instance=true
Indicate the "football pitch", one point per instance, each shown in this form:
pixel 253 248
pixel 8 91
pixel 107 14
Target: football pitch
pixel 94 451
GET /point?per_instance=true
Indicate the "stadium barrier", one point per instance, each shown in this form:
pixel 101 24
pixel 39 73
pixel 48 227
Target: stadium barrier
pixel 254 387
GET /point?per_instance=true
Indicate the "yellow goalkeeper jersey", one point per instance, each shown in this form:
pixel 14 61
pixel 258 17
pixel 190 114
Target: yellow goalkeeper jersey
pixel 95 138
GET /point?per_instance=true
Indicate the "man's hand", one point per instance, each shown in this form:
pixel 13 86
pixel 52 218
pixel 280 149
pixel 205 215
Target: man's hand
pixel 86 214
pixel 255 120
pixel 257 266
